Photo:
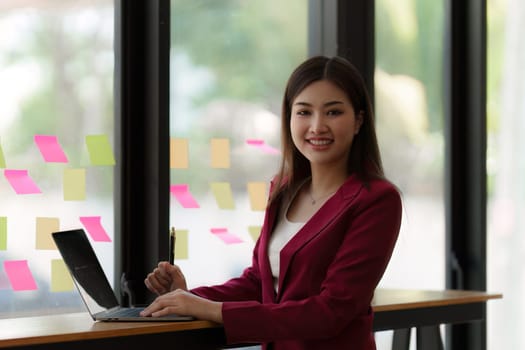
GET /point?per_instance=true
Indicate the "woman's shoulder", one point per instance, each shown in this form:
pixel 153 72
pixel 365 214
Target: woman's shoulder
pixel 370 188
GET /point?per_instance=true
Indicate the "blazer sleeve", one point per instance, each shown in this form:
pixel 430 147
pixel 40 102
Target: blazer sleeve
pixel 369 230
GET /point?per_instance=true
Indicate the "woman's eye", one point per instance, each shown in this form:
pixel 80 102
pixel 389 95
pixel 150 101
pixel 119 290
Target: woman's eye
pixel 302 113
pixel 335 112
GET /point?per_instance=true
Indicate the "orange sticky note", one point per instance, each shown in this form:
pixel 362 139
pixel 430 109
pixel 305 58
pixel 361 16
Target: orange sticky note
pixel 258 196
pixel 44 228
pixel 220 153
pixel 178 153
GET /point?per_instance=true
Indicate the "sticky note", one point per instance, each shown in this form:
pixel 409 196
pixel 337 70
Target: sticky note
pixel 181 245
pixel 222 192
pixel 257 193
pixel 94 228
pixel 220 153
pixel 44 228
pixel 61 280
pixel 178 153
pixel 99 149
pixel 21 182
pixel 225 236
pixel 255 232
pixel 3 233
pixel 50 149
pixel 262 146
pixel 19 275
pixel 74 184
pixel 2 158
pixel 183 195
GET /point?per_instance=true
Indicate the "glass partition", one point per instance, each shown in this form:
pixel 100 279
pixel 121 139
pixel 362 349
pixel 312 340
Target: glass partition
pixel 506 173
pixel 229 65
pixel 409 110
pixel 56 154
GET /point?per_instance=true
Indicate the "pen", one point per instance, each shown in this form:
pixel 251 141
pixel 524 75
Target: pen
pixel 172 245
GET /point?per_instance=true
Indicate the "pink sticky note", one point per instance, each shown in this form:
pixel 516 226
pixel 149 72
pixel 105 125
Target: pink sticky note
pixel 94 228
pixel 50 149
pixel 21 182
pixel 260 144
pixel 19 275
pixel 183 195
pixel 226 236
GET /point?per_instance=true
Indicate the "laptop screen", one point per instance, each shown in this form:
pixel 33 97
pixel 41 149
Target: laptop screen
pixel 85 268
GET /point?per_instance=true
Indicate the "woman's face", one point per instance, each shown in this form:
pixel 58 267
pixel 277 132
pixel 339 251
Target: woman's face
pixel 323 124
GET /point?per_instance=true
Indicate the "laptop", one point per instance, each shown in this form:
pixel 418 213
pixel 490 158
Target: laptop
pixel 92 283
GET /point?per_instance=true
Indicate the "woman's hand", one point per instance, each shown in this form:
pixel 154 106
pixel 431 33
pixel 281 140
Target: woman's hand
pixel 184 303
pixel 165 278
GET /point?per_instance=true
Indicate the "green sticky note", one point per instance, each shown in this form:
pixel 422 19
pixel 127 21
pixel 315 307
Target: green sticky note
pixel 74 184
pixel 3 233
pixel 61 280
pixel 254 231
pixel 223 194
pixel 2 159
pixel 99 149
pixel 181 245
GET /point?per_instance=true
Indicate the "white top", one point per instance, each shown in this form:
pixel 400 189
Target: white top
pixel 283 232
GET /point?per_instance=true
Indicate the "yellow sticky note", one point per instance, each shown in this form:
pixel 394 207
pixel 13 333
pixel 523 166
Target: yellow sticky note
pixel 178 153
pixel 44 228
pixel 61 280
pixel 99 149
pixel 74 184
pixel 3 233
pixel 223 194
pixel 181 244
pixel 220 153
pixel 255 232
pixel 2 159
pixel 257 193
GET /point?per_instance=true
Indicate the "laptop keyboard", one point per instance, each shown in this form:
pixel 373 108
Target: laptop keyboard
pixel 126 312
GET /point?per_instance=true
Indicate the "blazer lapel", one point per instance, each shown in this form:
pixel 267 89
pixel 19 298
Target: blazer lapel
pixel 326 214
pixel 264 259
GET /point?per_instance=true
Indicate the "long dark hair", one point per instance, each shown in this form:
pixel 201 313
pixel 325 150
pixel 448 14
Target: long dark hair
pixel 364 159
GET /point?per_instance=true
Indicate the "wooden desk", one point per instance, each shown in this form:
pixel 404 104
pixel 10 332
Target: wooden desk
pixel 394 309
pixel 401 310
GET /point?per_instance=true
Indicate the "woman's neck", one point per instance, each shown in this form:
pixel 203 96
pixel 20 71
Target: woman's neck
pixel 326 180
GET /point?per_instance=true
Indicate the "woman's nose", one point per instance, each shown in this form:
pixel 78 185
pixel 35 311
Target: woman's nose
pixel 317 124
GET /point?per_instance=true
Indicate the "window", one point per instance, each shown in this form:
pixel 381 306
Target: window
pixel 56 116
pixel 409 112
pixel 505 173
pixel 229 64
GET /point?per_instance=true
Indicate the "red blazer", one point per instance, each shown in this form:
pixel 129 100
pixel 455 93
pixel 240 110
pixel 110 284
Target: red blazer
pixel 328 273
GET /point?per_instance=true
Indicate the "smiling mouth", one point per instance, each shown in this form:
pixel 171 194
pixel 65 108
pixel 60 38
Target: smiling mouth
pixel 320 142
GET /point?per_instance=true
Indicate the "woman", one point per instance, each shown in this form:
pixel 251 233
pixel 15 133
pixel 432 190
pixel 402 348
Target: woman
pixel 329 229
